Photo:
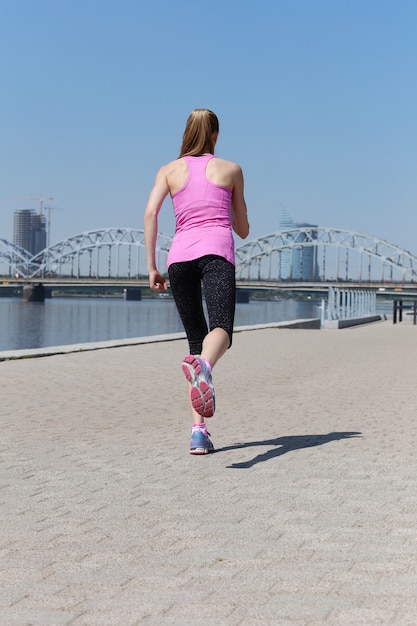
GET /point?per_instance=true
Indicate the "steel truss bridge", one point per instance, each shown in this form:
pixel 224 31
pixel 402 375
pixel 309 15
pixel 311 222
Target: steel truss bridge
pixel 300 255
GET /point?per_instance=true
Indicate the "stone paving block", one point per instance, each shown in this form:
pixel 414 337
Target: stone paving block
pixel 305 515
pixel 288 606
pixel 17 616
pixel 364 617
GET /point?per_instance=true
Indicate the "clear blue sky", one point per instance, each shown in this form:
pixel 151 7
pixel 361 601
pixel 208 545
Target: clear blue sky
pixel 317 101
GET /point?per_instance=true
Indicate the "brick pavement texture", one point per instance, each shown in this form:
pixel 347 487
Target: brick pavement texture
pixel 306 515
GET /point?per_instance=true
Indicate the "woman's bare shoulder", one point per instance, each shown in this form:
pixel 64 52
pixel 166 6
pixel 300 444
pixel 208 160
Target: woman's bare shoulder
pixel 229 169
pixel 223 172
pixel 173 166
pixel 175 173
pixel 227 164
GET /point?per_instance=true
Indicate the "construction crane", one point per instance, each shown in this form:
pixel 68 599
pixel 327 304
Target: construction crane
pixel 48 235
pixel 41 199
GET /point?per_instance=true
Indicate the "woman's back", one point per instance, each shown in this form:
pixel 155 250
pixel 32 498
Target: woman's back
pixel 201 203
pixel 219 172
pixel 202 214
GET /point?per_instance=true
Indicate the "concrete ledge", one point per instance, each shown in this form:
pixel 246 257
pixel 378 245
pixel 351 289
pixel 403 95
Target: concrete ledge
pixel 8 355
pixel 303 323
pixel 313 323
pixel 353 321
pixel 83 347
pixel 309 324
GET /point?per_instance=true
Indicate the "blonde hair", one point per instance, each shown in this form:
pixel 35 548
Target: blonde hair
pixel 198 133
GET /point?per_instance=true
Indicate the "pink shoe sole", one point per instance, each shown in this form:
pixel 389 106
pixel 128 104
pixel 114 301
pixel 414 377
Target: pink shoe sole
pixel 202 392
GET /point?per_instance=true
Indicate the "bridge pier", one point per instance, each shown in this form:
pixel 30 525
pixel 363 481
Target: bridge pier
pixel 242 296
pixel 132 293
pixel 34 293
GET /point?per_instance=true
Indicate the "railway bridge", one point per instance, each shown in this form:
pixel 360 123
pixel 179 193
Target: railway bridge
pixel 305 257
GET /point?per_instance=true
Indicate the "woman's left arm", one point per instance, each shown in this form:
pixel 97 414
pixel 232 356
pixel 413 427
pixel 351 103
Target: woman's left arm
pixel 239 210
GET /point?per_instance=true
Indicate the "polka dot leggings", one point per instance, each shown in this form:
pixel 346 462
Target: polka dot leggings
pixel 213 277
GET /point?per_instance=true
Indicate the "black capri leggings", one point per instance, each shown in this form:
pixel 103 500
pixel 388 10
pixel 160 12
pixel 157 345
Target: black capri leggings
pixel 217 276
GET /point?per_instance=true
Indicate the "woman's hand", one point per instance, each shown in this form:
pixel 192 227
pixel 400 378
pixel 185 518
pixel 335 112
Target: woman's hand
pixel 156 281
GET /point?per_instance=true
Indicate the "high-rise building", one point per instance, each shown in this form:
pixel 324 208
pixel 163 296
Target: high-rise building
pixel 297 262
pixel 29 230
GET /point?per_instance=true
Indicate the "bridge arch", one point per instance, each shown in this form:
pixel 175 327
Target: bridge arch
pixel 108 252
pixel 309 253
pixel 15 257
pixel 315 253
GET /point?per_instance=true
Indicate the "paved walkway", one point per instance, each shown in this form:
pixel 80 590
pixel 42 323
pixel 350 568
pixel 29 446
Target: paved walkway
pixel 305 516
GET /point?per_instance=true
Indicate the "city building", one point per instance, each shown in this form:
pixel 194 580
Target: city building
pixel 29 230
pixel 297 263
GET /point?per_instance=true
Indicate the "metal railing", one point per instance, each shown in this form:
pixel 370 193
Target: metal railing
pixel 399 307
pixel 345 304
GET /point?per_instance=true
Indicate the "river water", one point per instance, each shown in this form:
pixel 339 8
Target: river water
pixel 62 321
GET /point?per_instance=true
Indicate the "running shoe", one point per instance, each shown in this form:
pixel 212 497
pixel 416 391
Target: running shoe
pixel 198 373
pixel 200 442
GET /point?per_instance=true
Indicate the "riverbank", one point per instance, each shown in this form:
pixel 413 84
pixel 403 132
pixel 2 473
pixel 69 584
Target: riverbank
pixel 78 321
pixel 305 515
pixel 6 355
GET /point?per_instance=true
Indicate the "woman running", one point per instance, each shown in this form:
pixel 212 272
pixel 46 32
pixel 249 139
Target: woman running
pixel 208 199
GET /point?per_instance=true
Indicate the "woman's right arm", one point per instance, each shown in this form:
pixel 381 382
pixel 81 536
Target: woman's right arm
pixel 239 211
pixel 156 198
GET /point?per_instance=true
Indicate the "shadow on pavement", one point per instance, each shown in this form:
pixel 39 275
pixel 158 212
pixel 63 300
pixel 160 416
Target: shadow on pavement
pixel 282 445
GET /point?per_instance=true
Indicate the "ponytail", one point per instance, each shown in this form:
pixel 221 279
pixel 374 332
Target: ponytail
pixel 198 134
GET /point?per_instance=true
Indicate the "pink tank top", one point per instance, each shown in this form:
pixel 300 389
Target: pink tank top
pixel 202 216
